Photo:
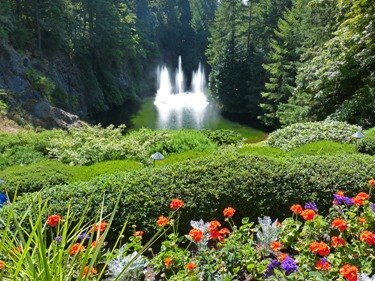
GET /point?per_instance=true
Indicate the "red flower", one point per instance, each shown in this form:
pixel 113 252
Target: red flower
pixel 138 233
pixel 335 241
pixel 362 220
pixel 368 236
pixel 340 224
pixel 1 264
pixel 320 247
pixel 53 220
pixel 340 193
pixel 176 204
pixel 214 225
pixel 162 221
pixel 214 234
pixel 349 272
pixel 322 265
pixel 92 271
pixel 229 212
pixel 308 214
pixel 168 262
pixel 281 256
pixel 16 249
pixel 224 231
pixel 190 266
pixel 76 248
pixel 371 182
pixel 196 234
pixel 362 196
pixel 276 246
pixel 297 209
pixel 99 227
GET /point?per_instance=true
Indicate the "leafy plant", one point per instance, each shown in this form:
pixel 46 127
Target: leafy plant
pixel 223 137
pixel 302 133
pixel 367 144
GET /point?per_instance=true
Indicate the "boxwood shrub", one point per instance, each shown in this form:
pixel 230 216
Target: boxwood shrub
pixel 302 133
pixel 367 144
pixel 253 185
pixel 34 177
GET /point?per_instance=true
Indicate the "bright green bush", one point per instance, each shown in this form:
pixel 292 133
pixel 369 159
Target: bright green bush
pixel 84 173
pixel 21 155
pixel 302 133
pixel 323 147
pixel 223 137
pixel 34 177
pixel 254 185
pixel 184 140
pixel 367 144
pixel 88 145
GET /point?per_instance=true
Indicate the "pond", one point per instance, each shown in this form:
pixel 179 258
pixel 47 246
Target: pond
pixel 175 107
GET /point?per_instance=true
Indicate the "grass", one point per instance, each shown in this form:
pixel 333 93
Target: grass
pixel 323 147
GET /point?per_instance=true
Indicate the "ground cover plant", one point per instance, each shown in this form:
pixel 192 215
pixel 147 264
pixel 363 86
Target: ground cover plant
pixel 299 134
pixel 304 246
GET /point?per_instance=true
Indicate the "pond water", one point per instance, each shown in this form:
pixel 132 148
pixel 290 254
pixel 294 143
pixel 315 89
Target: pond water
pixel 175 107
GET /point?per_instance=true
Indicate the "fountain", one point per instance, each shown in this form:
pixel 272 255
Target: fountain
pixel 176 107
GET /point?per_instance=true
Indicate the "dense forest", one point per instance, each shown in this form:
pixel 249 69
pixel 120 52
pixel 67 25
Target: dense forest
pixel 273 61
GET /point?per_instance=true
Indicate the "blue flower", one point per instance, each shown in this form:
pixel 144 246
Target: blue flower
pixel 289 265
pixel 372 207
pixel 58 239
pixel 338 200
pixel 270 268
pixel 83 236
pixel 311 205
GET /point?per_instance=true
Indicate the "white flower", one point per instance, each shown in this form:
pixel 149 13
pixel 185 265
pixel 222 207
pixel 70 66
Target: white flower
pixel 365 277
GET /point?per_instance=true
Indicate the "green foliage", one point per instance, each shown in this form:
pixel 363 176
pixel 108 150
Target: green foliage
pixel 367 144
pixel 252 184
pixel 21 155
pixel 223 137
pixel 34 177
pixel 39 82
pixel 88 145
pixel 302 133
pixel 84 173
pixel 323 147
pixel 24 147
pixel 185 140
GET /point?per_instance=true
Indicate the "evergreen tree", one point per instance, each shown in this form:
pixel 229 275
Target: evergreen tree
pixel 284 59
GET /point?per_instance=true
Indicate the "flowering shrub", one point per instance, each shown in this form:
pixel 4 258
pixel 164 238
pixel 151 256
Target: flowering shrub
pixel 305 246
pixel 299 134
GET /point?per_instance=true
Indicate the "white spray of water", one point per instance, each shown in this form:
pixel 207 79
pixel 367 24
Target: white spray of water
pixel 181 109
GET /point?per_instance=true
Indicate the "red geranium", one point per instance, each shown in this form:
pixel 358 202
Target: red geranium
pixel 53 220
pixel 176 204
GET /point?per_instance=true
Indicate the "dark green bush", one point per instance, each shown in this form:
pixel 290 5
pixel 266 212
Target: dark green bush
pixel 34 177
pixel 253 185
pixel 367 144
pixel 223 137
pixel 184 140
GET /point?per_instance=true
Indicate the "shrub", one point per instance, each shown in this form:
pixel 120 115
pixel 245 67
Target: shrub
pixel 323 147
pixel 302 133
pixel 34 177
pixel 367 144
pixel 223 137
pixel 84 173
pixel 254 185
pixel 88 145
pixel 22 155
pixel 184 140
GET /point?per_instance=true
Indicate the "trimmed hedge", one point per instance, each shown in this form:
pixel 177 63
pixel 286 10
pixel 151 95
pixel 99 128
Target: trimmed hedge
pixel 253 185
pixel 299 134
pixel 367 144
pixel 34 177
